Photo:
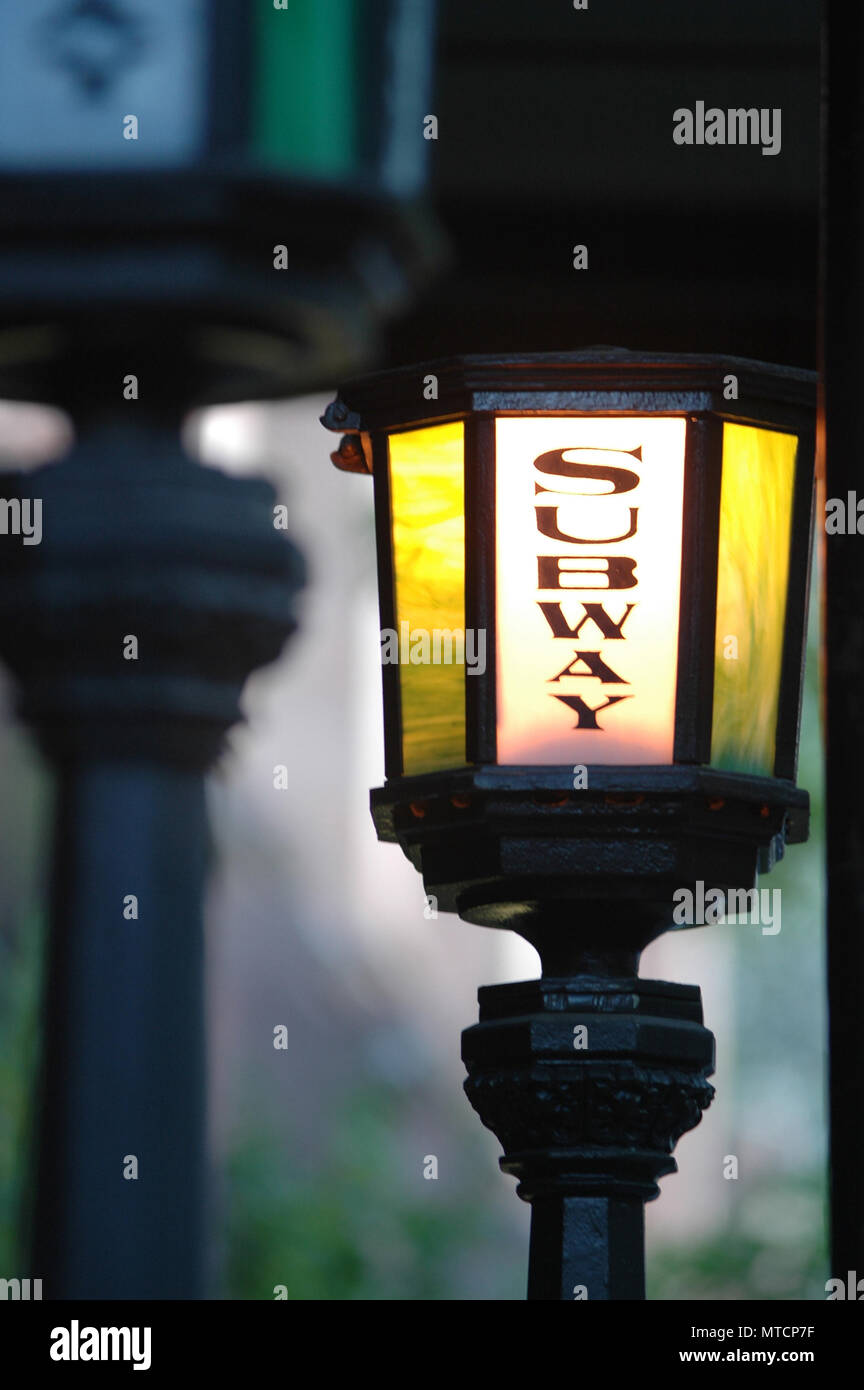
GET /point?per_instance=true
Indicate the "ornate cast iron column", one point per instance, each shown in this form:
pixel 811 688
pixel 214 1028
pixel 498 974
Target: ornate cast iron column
pixel 588 1082
pixel 157 588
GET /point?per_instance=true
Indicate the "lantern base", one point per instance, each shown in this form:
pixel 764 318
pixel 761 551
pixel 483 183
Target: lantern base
pixel 521 848
pixel 588 1082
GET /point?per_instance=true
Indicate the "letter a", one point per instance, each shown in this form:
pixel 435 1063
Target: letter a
pixel 682 133
pixel 60 1340
pixel 597 668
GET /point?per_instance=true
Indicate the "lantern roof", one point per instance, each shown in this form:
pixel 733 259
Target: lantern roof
pixel 601 378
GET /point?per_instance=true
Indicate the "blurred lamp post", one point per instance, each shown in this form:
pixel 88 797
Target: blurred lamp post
pixel 614 547
pixel 199 202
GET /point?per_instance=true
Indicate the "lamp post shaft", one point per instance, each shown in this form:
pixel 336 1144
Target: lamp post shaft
pixel 582 1243
pixel 121 1173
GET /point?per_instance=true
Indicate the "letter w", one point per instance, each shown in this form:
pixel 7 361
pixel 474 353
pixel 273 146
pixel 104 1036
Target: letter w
pixel 594 612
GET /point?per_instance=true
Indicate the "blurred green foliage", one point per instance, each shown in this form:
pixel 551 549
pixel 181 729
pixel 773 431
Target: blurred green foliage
pixel 353 1228
pixel 737 1264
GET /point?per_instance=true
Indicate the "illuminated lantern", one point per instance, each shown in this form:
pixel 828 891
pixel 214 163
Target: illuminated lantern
pixel 593 576
pixel 617 547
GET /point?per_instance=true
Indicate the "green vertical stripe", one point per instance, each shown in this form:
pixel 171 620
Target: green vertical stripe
pixel 305 86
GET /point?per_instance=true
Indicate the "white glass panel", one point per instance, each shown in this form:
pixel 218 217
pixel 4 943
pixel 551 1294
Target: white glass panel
pixel 588 573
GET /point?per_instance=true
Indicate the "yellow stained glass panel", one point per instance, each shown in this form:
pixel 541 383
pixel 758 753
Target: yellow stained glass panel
pixel 752 582
pixel 427 499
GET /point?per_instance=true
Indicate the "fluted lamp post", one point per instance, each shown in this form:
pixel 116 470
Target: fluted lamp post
pixel 593 574
pixel 200 201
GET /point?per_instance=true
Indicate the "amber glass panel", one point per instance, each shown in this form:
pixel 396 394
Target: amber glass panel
pixel 752 582
pixel 427 492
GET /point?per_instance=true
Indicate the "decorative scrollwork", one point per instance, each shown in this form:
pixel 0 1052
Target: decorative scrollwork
pixel 601 1106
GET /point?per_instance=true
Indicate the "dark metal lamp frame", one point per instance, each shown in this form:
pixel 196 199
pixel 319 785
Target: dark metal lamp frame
pixel 588 876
